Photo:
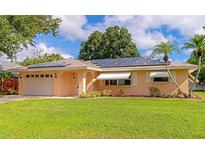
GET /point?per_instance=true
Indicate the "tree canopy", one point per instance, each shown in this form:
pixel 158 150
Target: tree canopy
pixel 41 59
pixel 194 60
pixel 115 42
pixel 197 44
pixel 18 31
pixel 164 48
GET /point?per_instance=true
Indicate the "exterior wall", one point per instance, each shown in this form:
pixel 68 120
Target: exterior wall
pixel 70 83
pixel 66 83
pixel 141 86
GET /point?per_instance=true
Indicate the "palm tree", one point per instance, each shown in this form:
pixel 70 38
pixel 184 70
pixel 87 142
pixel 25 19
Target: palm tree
pixel 166 48
pixel 197 43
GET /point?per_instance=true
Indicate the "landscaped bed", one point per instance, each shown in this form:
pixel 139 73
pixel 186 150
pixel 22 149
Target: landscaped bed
pixel 200 94
pixel 103 118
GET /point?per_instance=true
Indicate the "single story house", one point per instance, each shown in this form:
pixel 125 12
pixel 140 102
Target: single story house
pixel 72 77
pixel 6 65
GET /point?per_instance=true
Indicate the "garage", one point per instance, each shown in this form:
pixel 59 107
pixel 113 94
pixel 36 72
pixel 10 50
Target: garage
pixel 39 84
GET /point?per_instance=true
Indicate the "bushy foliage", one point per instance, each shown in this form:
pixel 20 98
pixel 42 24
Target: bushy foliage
pixel 106 93
pixel 154 91
pixel 115 42
pixel 93 94
pixel 6 75
pixel 41 59
pixel 12 91
pixel 121 92
pixel 18 31
pixel 9 86
pixel 194 60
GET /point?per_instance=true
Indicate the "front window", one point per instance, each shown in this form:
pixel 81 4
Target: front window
pixel 120 82
pixel 160 79
pixel 107 82
pixel 113 82
pixel 124 82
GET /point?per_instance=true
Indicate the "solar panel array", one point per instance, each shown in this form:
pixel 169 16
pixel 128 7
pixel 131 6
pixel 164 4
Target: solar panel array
pixel 125 62
pixel 60 63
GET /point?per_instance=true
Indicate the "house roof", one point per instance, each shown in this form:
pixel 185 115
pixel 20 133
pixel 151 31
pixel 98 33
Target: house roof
pixel 121 64
pixel 68 63
pixel 127 62
pixel 5 66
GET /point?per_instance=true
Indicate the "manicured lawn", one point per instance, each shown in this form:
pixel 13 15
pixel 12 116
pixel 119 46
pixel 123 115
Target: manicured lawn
pixel 103 118
pixel 200 93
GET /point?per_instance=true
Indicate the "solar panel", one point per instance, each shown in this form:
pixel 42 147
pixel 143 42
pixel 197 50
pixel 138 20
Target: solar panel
pixel 123 62
pixel 60 63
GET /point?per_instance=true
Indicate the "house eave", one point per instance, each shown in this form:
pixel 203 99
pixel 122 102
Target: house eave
pixel 56 69
pixel 190 68
pixel 110 69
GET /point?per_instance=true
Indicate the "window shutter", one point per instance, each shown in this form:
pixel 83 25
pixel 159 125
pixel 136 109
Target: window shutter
pixel 134 78
pixel 148 79
pixel 173 73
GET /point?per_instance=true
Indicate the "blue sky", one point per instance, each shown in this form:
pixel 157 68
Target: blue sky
pixel 146 32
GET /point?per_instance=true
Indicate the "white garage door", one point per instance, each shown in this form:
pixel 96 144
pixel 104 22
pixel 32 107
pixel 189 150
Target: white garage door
pixel 39 86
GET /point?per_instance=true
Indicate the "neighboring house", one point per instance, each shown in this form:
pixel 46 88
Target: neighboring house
pixel 5 66
pixel 73 77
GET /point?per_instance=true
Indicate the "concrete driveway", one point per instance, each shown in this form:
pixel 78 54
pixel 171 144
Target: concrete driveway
pixel 9 98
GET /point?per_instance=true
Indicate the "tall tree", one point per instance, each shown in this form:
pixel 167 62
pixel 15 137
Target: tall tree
pixel 197 44
pixel 18 32
pixel 166 48
pixel 115 42
pixel 194 60
pixel 91 49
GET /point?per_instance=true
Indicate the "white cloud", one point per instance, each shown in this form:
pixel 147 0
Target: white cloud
pixel 139 27
pixel 78 28
pixel 188 51
pixel 39 50
pixel 147 53
pixel 71 27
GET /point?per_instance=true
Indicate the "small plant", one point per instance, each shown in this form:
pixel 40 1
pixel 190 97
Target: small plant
pixel 97 93
pixel 84 95
pixel 169 95
pixel 106 93
pixel 154 91
pixel 92 94
pixel 11 91
pixel 121 92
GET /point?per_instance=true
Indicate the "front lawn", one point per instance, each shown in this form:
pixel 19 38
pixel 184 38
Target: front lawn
pixel 103 118
pixel 200 93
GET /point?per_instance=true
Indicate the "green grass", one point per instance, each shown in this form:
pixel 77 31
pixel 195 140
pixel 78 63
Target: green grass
pixel 200 93
pixel 103 118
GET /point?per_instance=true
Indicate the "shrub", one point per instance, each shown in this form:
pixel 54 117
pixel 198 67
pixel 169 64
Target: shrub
pixel 169 95
pixel 106 92
pixel 11 91
pixel 84 95
pixel 92 94
pixel 121 92
pixel 97 93
pixel 154 91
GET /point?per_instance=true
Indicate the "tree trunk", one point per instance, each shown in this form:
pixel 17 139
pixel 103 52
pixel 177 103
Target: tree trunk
pixel 197 76
pixel 174 81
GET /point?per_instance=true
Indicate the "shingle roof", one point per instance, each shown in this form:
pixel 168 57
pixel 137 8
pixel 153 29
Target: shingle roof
pixel 63 63
pixel 59 63
pixel 126 62
pixel 5 65
pixel 107 63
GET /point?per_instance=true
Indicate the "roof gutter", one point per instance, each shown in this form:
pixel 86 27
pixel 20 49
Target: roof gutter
pixel 54 69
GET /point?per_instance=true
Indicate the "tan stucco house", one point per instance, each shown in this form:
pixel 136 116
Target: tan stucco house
pixel 72 77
